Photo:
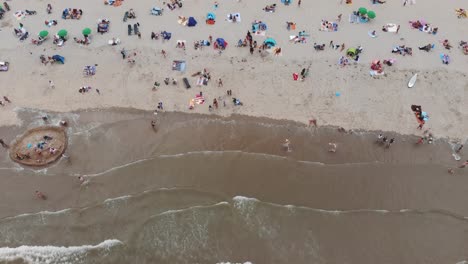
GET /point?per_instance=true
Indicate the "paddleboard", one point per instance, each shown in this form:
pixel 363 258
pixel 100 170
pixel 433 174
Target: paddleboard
pixel 412 81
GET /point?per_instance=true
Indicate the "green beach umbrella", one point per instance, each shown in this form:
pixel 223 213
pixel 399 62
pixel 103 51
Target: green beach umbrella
pixel 62 33
pixel 86 31
pixel 362 10
pixel 43 33
pixel 371 14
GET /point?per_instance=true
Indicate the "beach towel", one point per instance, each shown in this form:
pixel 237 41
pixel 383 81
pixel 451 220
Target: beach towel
pixel 391 27
pixel 236 15
pixel 376 73
pixel 330 26
pixel 353 19
pixel 182 21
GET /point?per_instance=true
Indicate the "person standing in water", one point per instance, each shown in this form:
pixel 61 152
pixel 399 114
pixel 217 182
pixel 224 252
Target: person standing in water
pixel 287 145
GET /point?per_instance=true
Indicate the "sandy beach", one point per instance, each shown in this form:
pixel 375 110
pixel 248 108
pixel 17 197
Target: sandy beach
pixel 263 83
pixel 251 183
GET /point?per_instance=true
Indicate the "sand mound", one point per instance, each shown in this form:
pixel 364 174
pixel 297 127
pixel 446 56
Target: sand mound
pixel 39 146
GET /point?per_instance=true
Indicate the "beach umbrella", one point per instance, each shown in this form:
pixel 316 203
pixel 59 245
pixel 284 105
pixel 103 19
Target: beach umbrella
pixel 371 14
pixel 43 33
pixel 62 33
pixel 86 31
pixel 270 42
pixel 362 10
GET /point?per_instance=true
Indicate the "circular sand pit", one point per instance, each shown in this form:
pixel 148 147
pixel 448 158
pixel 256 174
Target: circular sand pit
pixel 39 146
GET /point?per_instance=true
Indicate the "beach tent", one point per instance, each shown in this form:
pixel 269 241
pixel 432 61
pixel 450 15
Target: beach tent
pixel 220 43
pixel 191 22
pixel 59 58
pixel 270 42
pixel 210 18
pixel 166 35
pixel 156 11
pixel 259 26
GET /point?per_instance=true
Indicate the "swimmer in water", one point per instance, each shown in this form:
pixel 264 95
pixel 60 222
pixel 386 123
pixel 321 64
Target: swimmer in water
pixel 333 147
pixel 286 145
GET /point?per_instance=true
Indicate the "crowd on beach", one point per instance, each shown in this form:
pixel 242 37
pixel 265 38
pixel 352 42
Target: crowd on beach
pixel 255 46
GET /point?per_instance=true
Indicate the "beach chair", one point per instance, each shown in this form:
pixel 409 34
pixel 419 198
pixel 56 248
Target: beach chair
pixel 103 27
pixel 156 11
pixel 129 29
pixel 89 70
pixel 58 58
pixel 135 29
pixel 4 65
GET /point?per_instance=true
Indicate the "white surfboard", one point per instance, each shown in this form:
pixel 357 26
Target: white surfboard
pixel 412 81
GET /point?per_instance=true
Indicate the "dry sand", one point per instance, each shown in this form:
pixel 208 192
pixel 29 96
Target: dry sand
pixel 264 84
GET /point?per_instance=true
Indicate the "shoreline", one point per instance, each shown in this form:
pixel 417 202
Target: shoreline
pixel 263 83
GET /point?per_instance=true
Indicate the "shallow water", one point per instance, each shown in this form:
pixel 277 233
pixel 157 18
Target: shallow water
pixel 206 189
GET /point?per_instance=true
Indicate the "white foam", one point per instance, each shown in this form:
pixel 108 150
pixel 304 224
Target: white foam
pixel 41 213
pixel 120 198
pixel 248 262
pixel 191 208
pixel 54 254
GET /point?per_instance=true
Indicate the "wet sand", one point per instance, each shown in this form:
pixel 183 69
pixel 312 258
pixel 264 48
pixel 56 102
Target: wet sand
pixel 180 192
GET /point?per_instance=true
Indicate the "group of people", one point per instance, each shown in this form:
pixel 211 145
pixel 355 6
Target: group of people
pixel 382 139
pixel 72 13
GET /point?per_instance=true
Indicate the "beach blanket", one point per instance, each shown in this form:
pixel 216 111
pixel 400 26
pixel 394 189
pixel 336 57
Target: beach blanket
pixel 230 18
pixel 182 21
pixel 19 15
pixel 199 99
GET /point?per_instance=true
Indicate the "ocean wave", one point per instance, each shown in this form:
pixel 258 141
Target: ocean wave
pixel 57 254
pixel 246 204
pixel 191 208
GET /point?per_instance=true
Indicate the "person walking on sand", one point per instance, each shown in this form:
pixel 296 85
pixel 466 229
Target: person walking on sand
pixel 390 142
pixel 51 84
pixel 153 124
pixel 3 143
pixel 339 17
pixel 6 99
pixel 380 137
pixel 163 52
pixel 459 149
pixel 342 47
pixel 313 122
pixel 299 3
pixel 398 29
pixel 463 165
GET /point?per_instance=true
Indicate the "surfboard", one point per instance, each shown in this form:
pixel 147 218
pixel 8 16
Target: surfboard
pixel 412 81
pixel 370 34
